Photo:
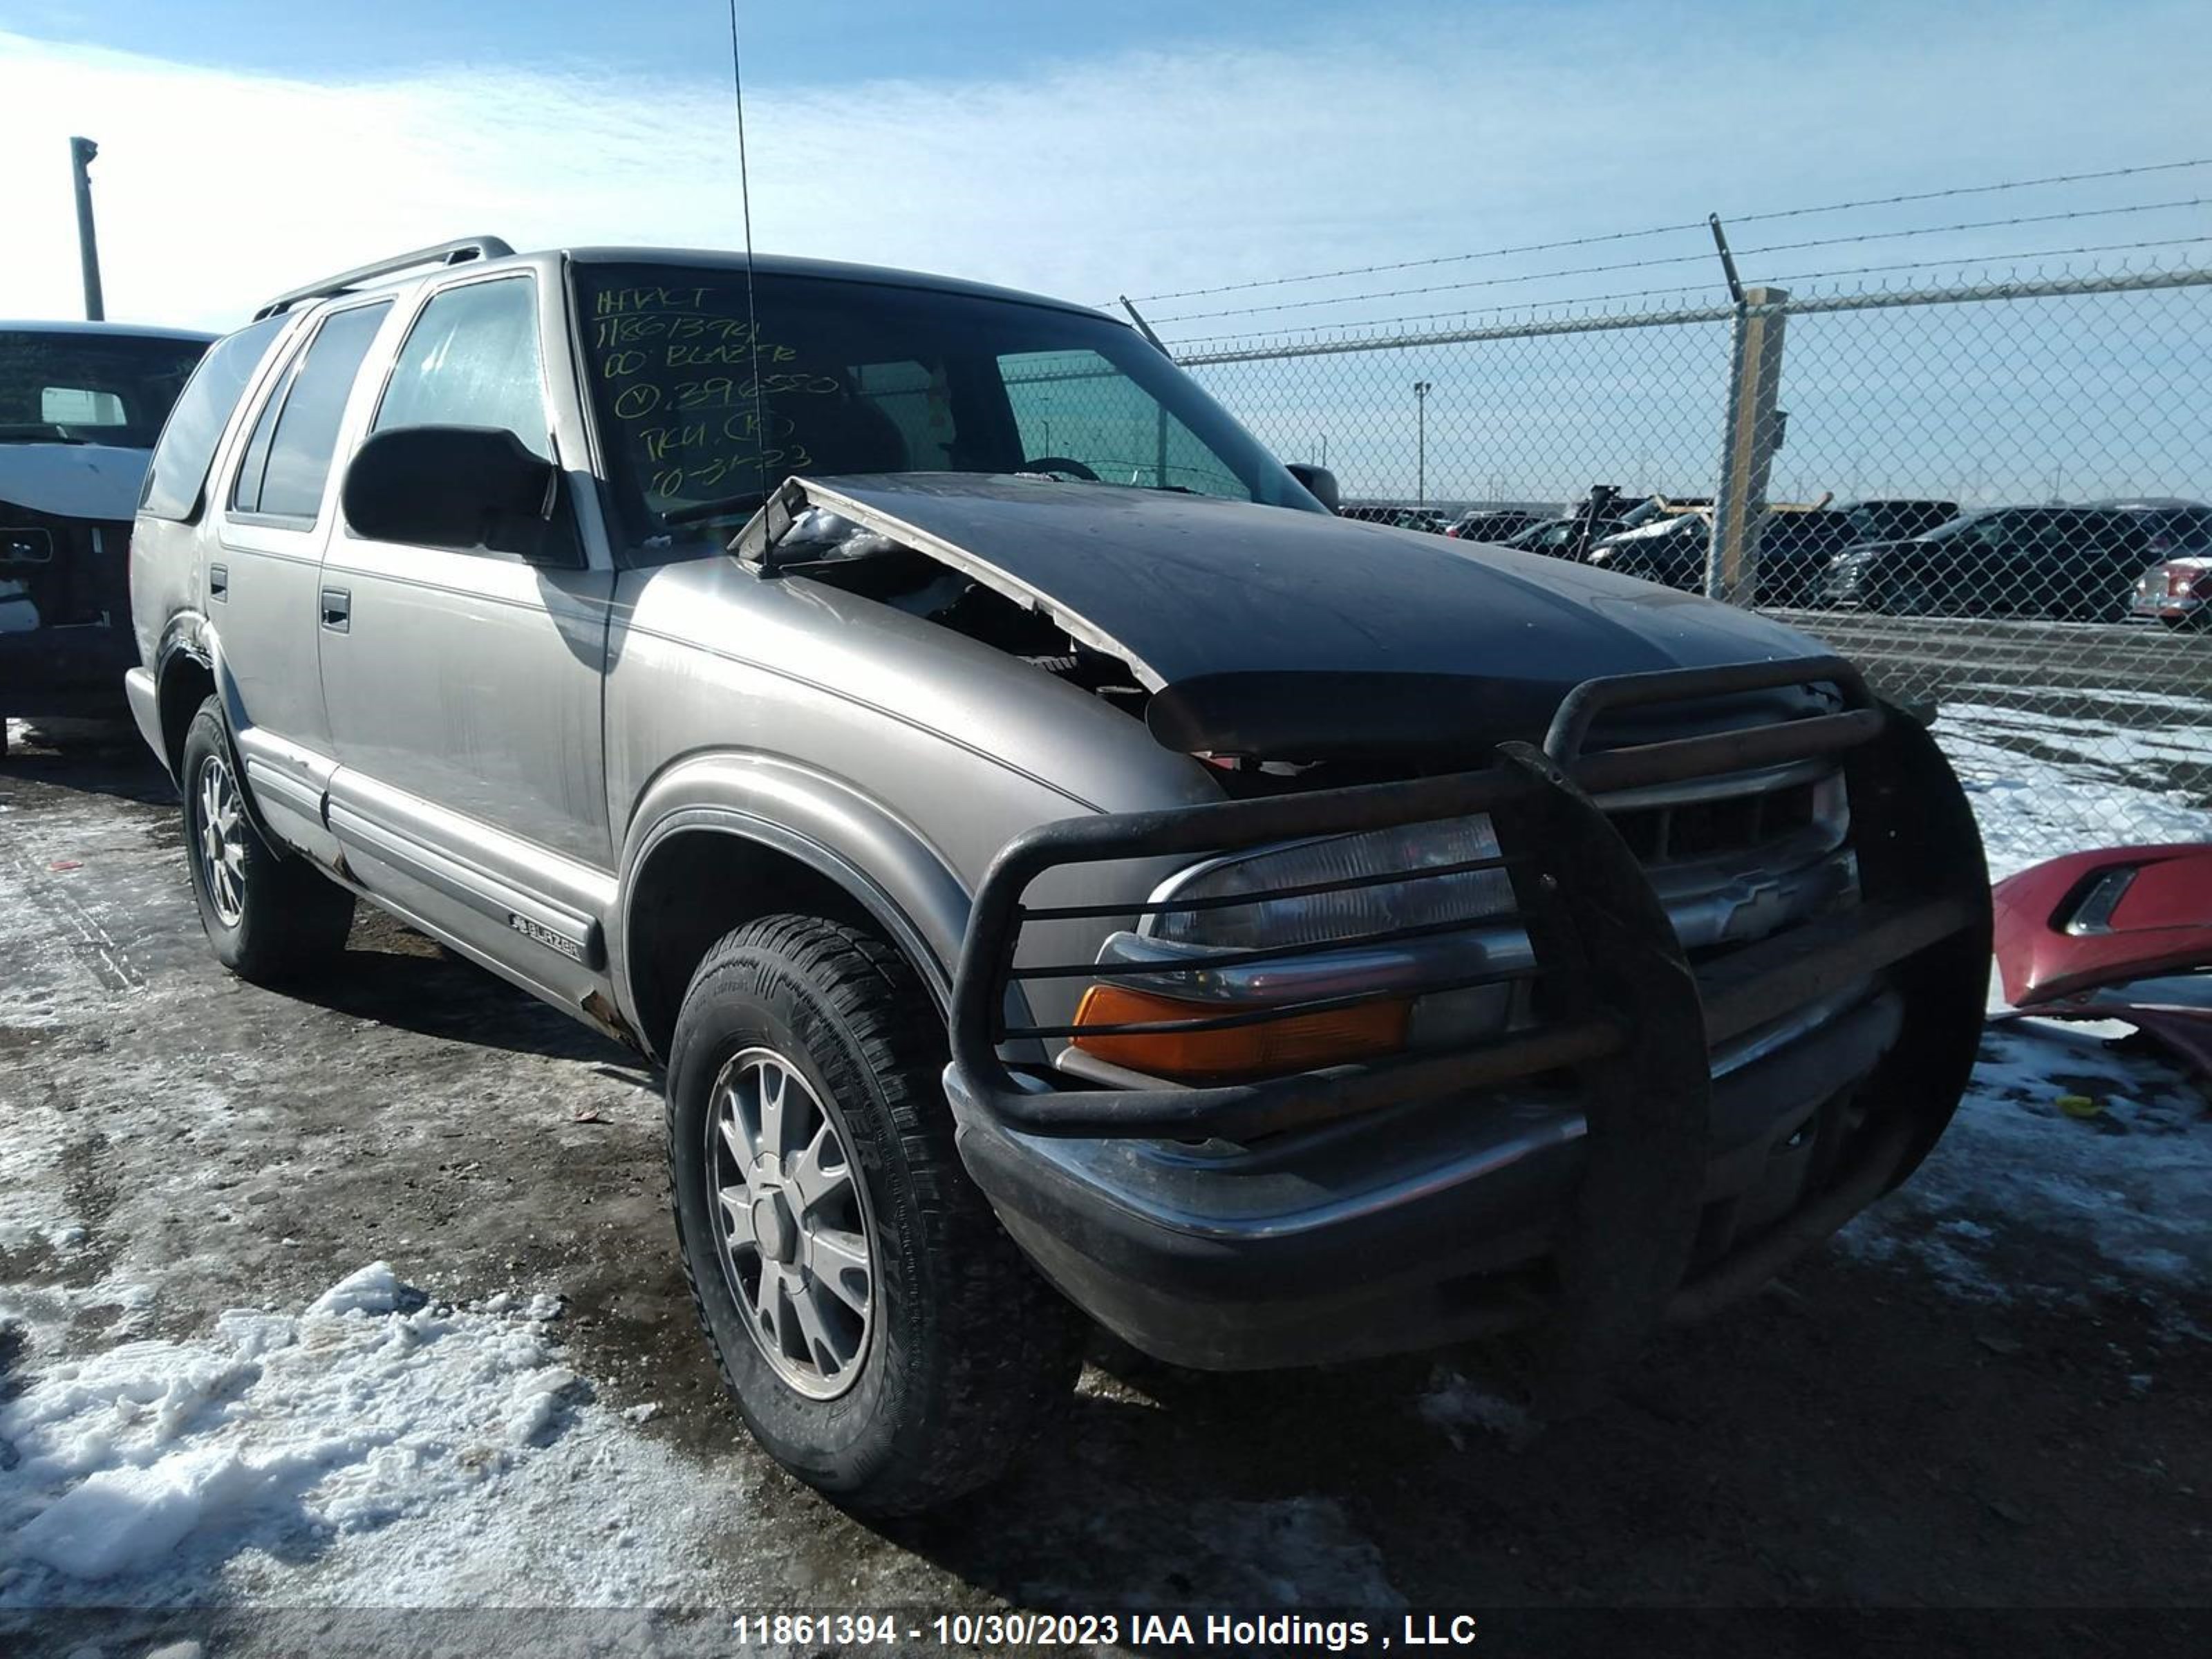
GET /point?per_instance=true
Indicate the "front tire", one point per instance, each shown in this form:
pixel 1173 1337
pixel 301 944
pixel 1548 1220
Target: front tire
pixel 884 1340
pixel 1907 595
pixel 267 919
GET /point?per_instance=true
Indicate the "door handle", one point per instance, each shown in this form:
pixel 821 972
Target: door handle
pixel 337 610
pixel 218 581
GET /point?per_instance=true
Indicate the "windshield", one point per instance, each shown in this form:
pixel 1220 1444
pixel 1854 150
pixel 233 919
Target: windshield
pixel 866 377
pixel 96 387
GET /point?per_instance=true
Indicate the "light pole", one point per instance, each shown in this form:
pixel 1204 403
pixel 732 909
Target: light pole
pixel 1421 443
pixel 82 150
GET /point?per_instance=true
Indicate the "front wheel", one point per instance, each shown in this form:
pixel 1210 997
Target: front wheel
pixel 267 919
pixel 884 1340
pixel 1905 595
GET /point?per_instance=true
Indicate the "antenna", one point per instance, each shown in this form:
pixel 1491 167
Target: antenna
pixel 745 200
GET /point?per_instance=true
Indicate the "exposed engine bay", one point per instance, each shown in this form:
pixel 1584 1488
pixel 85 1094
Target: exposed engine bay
pixel 832 549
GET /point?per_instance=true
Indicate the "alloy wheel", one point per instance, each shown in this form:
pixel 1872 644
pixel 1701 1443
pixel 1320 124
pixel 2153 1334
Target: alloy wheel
pixel 220 842
pixel 790 1229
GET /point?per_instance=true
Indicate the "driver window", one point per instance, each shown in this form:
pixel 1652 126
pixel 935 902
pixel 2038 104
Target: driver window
pixel 472 360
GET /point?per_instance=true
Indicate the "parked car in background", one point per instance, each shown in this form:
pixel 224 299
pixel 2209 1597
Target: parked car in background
pixel 1427 521
pixel 2177 592
pixel 1670 551
pixel 81 405
pixel 1796 544
pixel 2070 563
pixel 1894 519
pixel 1560 538
pixel 1036 915
pixel 1492 523
pixel 1572 534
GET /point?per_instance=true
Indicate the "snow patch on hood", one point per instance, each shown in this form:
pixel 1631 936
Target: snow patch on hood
pixel 74 481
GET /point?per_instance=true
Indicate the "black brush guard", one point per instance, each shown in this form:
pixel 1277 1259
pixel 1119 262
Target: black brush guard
pixel 1619 1012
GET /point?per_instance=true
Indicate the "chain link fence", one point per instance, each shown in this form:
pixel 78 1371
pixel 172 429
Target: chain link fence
pixel 1990 496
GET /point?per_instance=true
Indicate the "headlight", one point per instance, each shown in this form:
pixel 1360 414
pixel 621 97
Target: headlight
pixel 1299 895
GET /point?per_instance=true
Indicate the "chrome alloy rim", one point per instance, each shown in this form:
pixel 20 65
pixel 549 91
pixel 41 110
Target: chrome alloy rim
pixel 221 841
pixel 790 1230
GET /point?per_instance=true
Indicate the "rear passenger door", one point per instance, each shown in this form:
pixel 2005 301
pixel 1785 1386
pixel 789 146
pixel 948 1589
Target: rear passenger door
pixel 464 687
pixel 263 573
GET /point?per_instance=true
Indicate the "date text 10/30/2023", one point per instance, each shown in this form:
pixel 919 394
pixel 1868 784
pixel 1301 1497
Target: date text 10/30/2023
pixel 1015 1629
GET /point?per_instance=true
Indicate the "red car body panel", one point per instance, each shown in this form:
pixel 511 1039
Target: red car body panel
pixel 2103 918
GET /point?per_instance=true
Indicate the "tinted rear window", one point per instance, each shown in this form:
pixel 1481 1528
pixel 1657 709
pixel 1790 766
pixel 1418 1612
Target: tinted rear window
pixel 95 386
pixel 178 477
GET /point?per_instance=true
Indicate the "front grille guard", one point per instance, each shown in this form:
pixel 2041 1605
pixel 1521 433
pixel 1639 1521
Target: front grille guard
pixel 1618 1006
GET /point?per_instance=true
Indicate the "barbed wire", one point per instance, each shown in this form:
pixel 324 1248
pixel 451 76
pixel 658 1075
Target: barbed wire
pixel 1211 341
pixel 1673 229
pixel 1690 259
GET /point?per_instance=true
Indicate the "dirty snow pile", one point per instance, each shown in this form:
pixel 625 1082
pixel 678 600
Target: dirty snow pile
pixel 2123 1188
pixel 339 1419
pixel 2043 784
pixel 1457 1406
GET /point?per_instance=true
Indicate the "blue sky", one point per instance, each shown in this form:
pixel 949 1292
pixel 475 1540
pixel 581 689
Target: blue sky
pixel 1085 150
pixel 821 41
pixel 1146 147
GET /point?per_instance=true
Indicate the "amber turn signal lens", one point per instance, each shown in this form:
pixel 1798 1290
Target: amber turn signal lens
pixel 1265 1049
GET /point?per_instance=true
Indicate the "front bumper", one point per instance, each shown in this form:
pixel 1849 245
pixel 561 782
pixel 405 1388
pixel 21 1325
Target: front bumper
pixel 1658 1139
pixel 1847 580
pixel 2163 609
pixel 1431 1224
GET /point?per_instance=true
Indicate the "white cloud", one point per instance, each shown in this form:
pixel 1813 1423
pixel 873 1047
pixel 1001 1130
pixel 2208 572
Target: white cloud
pixel 1150 170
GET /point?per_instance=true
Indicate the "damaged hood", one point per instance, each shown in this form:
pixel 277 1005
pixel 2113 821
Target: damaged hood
pixel 1288 634
pixel 73 481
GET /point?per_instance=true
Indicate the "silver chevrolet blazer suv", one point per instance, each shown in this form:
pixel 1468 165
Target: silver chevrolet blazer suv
pixel 1065 872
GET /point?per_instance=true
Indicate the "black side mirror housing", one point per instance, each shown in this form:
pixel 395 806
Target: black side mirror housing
pixel 1320 483
pixel 466 487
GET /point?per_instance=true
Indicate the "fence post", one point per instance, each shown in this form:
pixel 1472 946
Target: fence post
pixel 1747 446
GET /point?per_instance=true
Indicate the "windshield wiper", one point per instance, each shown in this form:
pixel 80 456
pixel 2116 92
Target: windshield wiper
pixel 748 502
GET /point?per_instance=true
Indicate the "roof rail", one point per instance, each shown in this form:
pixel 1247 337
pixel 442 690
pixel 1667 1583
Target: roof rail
pixel 444 253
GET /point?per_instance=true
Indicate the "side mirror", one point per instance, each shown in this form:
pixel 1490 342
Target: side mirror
pixel 1320 482
pixel 460 487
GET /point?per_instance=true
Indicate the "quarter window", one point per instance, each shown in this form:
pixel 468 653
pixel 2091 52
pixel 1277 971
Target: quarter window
pixel 288 456
pixel 472 360
pixel 178 475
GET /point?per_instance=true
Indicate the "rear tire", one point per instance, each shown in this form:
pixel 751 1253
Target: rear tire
pixel 928 1353
pixel 269 919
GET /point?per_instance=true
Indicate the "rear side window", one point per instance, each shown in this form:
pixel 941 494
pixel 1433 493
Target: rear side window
pixel 178 475
pixel 472 360
pixel 288 456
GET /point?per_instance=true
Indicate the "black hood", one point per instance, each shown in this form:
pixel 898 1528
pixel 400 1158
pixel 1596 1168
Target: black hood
pixel 1290 634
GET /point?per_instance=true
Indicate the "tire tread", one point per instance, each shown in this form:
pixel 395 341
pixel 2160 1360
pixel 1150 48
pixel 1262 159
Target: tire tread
pixel 1007 1346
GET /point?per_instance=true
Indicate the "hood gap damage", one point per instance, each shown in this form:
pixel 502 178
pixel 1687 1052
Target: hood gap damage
pixel 1252 638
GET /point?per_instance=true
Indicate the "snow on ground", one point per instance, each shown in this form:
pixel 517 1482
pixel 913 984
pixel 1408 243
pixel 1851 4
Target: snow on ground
pixel 158 1473
pixel 2042 785
pixel 1457 1406
pixel 2123 1188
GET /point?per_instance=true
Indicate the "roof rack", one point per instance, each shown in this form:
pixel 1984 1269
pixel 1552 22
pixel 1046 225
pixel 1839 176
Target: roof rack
pixel 444 253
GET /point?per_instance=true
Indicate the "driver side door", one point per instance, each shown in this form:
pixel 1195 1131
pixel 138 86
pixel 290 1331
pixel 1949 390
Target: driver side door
pixel 464 686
